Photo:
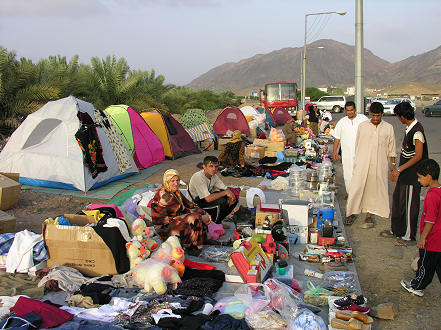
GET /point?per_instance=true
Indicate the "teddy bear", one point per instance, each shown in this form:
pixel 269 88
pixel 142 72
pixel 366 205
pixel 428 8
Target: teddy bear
pixel 136 252
pixel 154 275
pixel 172 253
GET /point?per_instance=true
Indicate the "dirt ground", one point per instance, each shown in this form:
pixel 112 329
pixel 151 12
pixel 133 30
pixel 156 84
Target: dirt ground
pixel 379 263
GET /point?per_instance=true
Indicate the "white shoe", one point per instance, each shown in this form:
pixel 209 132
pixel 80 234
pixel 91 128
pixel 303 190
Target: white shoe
pixel 406 284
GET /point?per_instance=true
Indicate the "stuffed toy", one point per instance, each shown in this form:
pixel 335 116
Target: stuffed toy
pixel 138 228
pixel 136 252
pixel 154 275
pixel 171 252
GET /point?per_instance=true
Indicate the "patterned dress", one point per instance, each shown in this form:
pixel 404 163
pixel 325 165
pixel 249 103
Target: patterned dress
pixel 233 154
pixel 178 217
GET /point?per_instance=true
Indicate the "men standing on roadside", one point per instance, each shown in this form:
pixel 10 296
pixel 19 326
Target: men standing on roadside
pixel 209 192
pixel 345 133
pixel 406 196
pixel 374 145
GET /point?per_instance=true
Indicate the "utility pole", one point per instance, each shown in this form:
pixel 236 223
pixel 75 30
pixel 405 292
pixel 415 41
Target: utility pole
pixel 359 57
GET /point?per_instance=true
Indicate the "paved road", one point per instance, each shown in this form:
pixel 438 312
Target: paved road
pixel 432 129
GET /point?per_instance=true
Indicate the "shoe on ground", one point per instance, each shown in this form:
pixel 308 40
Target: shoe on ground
pixel 406 284
pixel 350 300
pixel 195 252
pixel 354 307
pixel 352 324
pixel 367 225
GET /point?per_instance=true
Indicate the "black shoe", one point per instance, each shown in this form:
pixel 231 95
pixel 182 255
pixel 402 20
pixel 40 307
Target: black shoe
pixel 195 252
pixel 211 242
pixel 349 300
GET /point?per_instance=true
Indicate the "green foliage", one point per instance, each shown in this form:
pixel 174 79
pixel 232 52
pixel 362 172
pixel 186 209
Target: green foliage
pixel 25 87
pixel 313 92
pixel 335 91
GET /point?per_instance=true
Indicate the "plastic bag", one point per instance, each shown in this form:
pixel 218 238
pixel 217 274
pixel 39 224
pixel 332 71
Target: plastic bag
pixel 231 305
pixel 316 295
pixel 266 319
pixel 307 320
pixel 335 279
pixel 216 254
pixel 283 299
pixel 256 296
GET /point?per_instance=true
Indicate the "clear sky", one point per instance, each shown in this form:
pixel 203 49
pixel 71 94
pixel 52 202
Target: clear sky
pixel 182 39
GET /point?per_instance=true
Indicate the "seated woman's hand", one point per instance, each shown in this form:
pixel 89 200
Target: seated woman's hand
pixel 206 218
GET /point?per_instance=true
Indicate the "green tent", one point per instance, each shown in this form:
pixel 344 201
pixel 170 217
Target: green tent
pixel 121 119
pixel 194 117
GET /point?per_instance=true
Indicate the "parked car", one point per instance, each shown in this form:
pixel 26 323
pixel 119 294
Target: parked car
pixel 380 99
pixel 334 103
pixel 390 105
pixel 434 109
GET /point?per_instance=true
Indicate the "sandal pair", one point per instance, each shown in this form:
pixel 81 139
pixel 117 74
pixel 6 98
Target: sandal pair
pixel 350 219
pixel 387 234
pixel 403 242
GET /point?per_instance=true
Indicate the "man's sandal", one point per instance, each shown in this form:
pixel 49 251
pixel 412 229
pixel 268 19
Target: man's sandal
pixel 350 219
pixel 387 234
pixel 403 242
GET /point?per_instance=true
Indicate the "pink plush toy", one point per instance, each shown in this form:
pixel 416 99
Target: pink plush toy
pixel 215 230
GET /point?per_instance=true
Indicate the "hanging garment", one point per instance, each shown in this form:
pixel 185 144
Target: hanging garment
pixel 116 142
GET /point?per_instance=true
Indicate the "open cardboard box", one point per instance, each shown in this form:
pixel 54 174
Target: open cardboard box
pixel 78 247
pixel 9 190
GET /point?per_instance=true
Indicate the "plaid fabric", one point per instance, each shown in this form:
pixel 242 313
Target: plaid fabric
pixel 39 251
pixel 200 133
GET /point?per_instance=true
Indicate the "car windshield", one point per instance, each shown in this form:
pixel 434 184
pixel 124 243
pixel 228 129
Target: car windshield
pixel 395 101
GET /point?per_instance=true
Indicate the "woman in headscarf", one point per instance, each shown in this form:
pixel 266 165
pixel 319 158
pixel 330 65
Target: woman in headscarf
pixel 175 215
pixel 234 152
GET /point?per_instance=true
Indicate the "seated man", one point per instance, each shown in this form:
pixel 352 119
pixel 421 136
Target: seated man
pixel 209 192
pixel 289 130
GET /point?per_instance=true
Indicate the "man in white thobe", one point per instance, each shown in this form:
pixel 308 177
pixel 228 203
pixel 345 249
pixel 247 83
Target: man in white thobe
pixel 374 146
pixel 345 133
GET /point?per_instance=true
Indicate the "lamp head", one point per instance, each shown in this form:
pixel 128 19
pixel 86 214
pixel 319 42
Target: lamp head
pixel 341 12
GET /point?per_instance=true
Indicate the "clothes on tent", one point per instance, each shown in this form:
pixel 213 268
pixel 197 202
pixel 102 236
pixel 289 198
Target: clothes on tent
pixel 90 144
pixel 20 255
pixel 346 131
pixel 374 146
pixel 116 142
pixel 51 316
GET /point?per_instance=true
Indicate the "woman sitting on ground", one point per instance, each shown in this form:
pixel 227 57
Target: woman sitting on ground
pixel 234 152
pixel 175 215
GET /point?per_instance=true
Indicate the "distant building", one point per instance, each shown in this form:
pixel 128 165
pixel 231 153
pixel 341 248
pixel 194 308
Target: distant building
pixel 323 89
pixel 350 90
pixel 254 94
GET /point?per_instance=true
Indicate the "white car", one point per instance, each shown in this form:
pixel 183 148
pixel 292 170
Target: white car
pixel 390 105
pixel 334 103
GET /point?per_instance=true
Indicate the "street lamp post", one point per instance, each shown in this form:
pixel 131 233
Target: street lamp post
pixel 303 90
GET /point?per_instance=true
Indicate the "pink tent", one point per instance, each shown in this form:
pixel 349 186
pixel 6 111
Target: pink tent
pixel 231 119
pixel 281 116
pixel 148 147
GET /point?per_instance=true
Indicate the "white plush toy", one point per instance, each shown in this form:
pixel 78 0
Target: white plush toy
pixel 138 229
pixel 154 275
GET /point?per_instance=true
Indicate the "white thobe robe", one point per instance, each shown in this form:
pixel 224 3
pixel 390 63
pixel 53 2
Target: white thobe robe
pixel 369 185
pixel 346 132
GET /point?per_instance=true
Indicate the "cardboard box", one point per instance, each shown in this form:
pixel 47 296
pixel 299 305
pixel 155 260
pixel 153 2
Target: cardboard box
pixel 260 217
pixel 12 176
pixel 7 223
pixel 206 146
pixel 255 151
pixel 9 193
pixel 271 147
pixel 78 247
pixel 221 142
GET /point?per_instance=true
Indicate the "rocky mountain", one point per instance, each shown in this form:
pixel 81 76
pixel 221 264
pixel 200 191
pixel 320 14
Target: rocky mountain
pixel 329 62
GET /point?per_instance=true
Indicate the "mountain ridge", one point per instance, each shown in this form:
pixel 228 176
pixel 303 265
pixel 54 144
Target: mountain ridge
pixel 329 63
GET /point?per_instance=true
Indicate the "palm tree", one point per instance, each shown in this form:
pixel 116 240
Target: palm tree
pixel 20 90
